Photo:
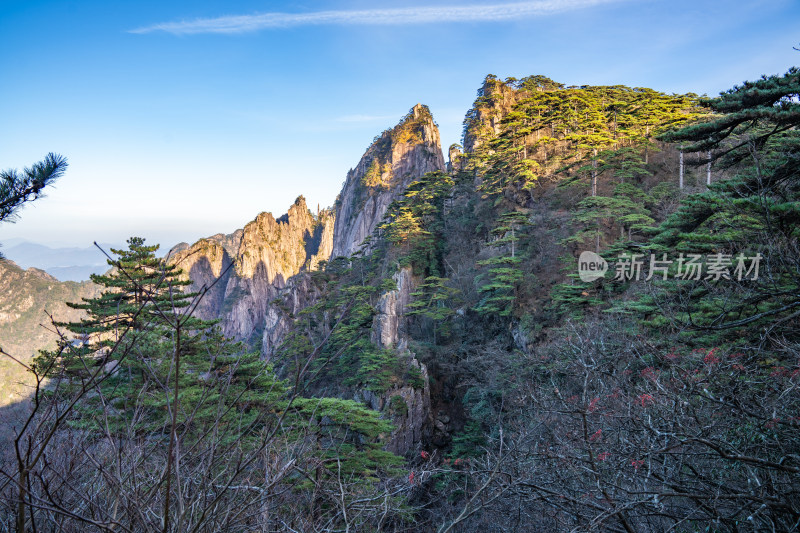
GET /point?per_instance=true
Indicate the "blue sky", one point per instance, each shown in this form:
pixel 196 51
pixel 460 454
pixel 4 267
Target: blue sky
pixel 184 119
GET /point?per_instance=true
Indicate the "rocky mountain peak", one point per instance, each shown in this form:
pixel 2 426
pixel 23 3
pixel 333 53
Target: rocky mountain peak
pixel 394 159
pixel 276 246
pixel 249 266
pixel 495 100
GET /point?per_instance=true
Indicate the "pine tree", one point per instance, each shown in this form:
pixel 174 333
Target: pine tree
pixel 16 189
pixel 504 274
pixel 414 223
pixel 432 301
pixel 139 292
pixel 136 328
pixel 751 217
pixel 373 178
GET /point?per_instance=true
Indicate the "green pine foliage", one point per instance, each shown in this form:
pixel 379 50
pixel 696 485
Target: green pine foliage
pixel 336 335
pixel 127 347
pixel 140 293
pixel 592 386
pixel 336 332
pixel 554 130
pixel 376 175
pixel 414 224
pixel 154 371
pixel 503 276
pixel 348 439
pixel 17 188
pixel 752 214
pixel 434 301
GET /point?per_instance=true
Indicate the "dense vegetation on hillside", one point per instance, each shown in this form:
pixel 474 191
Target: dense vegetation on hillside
pixel 633 404
pixel 660 397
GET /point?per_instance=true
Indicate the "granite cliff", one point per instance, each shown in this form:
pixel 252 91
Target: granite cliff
pixel 257 279
pixel 394 159
pixel 495 100
pixel 244 271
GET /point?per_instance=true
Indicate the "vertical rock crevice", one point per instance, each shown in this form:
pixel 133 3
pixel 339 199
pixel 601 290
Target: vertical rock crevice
pixel 408 407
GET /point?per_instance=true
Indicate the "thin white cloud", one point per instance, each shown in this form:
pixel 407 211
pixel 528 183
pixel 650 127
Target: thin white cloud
pixel 385 17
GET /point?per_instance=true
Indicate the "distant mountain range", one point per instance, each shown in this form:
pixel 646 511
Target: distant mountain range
pixel 64 264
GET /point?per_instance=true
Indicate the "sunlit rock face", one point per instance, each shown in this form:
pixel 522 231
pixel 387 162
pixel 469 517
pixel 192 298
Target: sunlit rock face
pixel 394 160
pixel 243 272
pixel 484 119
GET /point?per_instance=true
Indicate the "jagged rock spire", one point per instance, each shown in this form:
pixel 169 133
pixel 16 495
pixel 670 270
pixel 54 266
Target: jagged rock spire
pixel 393 160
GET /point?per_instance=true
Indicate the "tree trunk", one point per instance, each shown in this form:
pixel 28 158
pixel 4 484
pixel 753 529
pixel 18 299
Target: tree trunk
pixel 680 172
pixel 615 124
pixel 708 169
pixel 23 495
pixel 173 431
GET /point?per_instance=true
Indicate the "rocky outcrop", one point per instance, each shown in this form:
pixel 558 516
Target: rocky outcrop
pixel 207 264
pixel 455 158
pixel 411 424
pixel 243 272
pixel 391 307
pixel 495 100
pixel 269 260
pixel 408 407
pixel 322 240
pixel 272 251
pixel 394 160
pixel 299 294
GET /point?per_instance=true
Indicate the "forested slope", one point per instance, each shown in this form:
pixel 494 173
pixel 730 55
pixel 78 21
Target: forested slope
pixel 432 359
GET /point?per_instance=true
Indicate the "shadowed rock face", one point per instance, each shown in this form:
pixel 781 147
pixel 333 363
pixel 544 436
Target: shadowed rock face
pixel 394 160
pixel 246 270
pixel 243 272
pixel 298 295
pixel 207 263
pixel 413 423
